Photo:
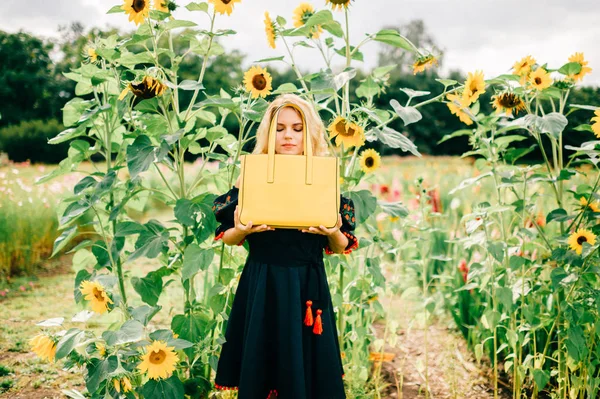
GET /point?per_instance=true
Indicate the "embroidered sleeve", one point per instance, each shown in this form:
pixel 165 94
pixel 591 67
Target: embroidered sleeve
pixel 348 226
pixel 224 208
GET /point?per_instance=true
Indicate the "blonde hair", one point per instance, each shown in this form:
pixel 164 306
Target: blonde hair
pixel 315 125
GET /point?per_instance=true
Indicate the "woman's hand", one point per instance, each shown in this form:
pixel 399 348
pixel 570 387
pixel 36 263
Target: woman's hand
pixel 248 228
pixel 323 230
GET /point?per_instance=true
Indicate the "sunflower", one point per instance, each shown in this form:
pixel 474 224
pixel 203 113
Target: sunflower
pixel 301 14
pixel 270 30
pixel 96 294
pixel 423 63
pixel 91 54
pixel 161 5
pixel 523 67
pixel 456 104
pixel 224 6
pixel 540 79
pixel 585 204
pixel 138 10
pixel 577 239
pixel 43 346
pixel 369 160
pixel 149 87
pixel 338 4
pixel 596 123
pixel 507 102
pixel 258 81
pixel 159 361
pixel 123 382
pixel 578 57
pixel 346 132
pixel 474 86
pixel 101 348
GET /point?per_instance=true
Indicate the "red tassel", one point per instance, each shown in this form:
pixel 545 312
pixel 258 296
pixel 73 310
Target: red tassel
pixel 318 328
pixel 308 318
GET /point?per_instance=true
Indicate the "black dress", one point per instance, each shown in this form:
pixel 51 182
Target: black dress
pixel 281 333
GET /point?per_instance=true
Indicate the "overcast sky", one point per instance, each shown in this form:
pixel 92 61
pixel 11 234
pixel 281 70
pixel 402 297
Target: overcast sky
pixel 475 34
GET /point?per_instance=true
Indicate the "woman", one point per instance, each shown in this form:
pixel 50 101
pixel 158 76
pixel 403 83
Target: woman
pixel 281 333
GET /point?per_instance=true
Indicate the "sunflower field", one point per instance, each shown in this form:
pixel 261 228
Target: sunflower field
pixel 510 251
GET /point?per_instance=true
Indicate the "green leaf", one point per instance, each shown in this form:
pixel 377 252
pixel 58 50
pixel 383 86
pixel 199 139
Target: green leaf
pixel 447 82
pixel 130 331
pixel 364 204
pixel 98 370
pixel 541 377
pixel 63 240
pixel 558 214
pixel 115 10
pixel 73 110
pixel 584 128
pixel 130 60
pixel 407 114
pixel 197 7
pixel 190 85
pixel 185 212
pixel 553 123
pixel 145 313
pixel 151 242
pixel 270 59
pixel 392 37
pixel 179 23
pixel 368 89
pixel 128 228
pixel 149 287
pixel 496 249
pixel 68 342
pixel 68 134
pixel 194 260
pixel 191 326
pixel 170 388
pixel 334 28
pixel 357 55
pixel 286 88
pixel 394 208
pixel 395 139
pixel 140 155
pixel 226 103
pixel 319 18
pixel 457 133
pixel 570 68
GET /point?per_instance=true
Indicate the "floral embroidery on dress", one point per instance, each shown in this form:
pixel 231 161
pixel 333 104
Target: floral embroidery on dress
pixel 224 208
pixel 348 225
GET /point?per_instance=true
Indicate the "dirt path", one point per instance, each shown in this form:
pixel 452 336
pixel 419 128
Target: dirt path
pixel 452 369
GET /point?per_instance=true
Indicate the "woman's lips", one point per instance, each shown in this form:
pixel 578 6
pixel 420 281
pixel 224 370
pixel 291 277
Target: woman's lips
pixel 289 145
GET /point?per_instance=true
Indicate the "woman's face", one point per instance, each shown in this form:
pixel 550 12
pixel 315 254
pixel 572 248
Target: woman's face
pixel 290 136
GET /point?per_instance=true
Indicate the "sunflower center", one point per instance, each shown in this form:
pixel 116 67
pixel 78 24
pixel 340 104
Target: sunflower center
pixel 98 294
pixel 225 1
pixel 538 81
pixel 340 2
pixel 581 240
pixel 138 5
pixel 259 82
pixel 340 128
pixel 369 162
pixel 509 100
pixel 350 132
pixel 158 357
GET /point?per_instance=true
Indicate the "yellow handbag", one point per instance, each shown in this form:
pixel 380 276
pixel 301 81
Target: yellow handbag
pixel 289 191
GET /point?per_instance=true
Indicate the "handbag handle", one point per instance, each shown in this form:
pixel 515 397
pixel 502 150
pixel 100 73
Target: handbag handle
pixel 308 150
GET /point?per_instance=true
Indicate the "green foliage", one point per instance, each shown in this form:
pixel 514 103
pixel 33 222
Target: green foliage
pixel 28 140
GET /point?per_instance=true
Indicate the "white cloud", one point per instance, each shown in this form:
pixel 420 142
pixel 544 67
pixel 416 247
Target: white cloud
pixel 475 34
